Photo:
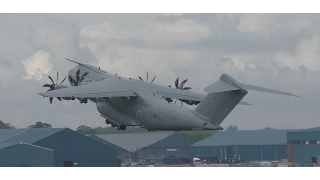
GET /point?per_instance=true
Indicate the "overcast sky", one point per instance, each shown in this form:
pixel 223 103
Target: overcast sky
pixel 279 51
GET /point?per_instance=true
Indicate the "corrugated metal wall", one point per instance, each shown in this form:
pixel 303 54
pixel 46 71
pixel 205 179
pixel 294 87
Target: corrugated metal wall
pixel 259 152
pixel 248 152
pixel 302 145
pixel 26 155
pixel 72 146
pixel 303 135
pixel 304 152
pixel 159 149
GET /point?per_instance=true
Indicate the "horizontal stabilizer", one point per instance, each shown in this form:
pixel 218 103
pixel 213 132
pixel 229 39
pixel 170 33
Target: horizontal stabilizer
pixel 266 90
pixel 227 83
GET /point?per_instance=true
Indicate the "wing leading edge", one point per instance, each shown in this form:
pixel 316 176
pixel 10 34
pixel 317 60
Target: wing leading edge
pixel 105 88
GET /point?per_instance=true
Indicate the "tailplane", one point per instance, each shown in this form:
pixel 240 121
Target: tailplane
pixel 224 95
pixel 227 83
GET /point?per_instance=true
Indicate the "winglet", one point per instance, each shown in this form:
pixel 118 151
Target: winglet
pixel 73 61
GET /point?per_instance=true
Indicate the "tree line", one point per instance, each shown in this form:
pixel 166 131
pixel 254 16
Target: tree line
pixel 84 129
pixel 4 125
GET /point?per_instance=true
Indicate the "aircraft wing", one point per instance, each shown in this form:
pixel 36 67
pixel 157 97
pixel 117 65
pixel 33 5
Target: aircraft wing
pixel 123 88
pixel 105 88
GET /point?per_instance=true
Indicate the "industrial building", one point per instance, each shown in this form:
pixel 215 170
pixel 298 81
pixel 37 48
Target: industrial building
pixel 34 147
pixel 303 145
pixel 121 152
pixel 249 145
pixel 22 154
pixel 149 145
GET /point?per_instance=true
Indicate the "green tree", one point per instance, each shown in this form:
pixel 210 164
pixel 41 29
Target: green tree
pixel 86 130
pixel 40 125
pixel 269 128
pixel 232 128
pixel 4 125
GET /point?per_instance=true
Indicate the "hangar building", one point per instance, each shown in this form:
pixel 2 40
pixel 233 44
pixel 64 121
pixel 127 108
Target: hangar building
pixel 148 145
pixel 69 148
pixel 250 145
pixel 24 155
pixel 121 152
pixel 303 145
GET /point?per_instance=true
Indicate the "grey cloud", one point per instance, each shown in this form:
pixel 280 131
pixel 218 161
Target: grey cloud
pixel 168 18
pixel 24 107
pixel 60 39
pixel 132 49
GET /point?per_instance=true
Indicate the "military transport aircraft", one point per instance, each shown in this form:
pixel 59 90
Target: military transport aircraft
pixel 126 102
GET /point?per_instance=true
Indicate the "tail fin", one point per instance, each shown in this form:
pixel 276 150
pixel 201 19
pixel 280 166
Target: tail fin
pixel 224 95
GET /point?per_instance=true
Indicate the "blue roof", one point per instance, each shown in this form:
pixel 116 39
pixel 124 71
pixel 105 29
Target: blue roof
pixel 30 136
pixel 313 129
pixel 7 133
pixel 245 137
pixel 4 145
pixel 106 142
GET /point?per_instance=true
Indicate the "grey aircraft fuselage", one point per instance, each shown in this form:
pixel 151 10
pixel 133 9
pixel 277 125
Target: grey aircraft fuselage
pixel 152 112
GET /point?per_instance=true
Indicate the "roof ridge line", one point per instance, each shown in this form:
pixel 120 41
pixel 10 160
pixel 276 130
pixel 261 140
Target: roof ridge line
pixel 61 129
pixel 16 135
pixel 36 146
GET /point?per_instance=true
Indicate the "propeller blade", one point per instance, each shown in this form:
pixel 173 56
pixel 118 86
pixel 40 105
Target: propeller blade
pixel 51 98
pixel 47 85
pixel 59 98
pixel 70 79
pixel 186 88
pixel 57 77
pixel 182 84
pixel 175 101
pixel 140 78
pixel 176 83
pixel 77 74
pixel 51 80
pixel 83 76
pixel 147 77
pixel 153 79
pixel 181 103
pixel 63 80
